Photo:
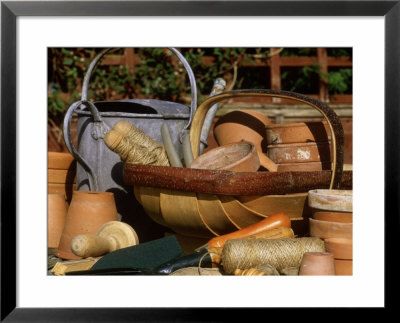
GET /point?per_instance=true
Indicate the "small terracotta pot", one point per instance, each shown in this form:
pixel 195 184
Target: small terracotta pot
pixel 300 152
pixel 326 229
pixel 317 263
pixel 340 248
pixel 288 133
pixel 239 156
pixel 245 125
pixel 241 125
pixel 87 212
pixel 331 200
pixel 56 215
pixel 60 160
pixel 342 217
pixel 304 167
pixel 344 267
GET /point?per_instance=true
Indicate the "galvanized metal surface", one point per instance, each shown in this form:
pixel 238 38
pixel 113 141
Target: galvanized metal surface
pixel 99 168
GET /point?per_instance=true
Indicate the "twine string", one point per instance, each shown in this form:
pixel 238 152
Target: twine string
pixel 201 259
pixel 137 148
pixel 280 253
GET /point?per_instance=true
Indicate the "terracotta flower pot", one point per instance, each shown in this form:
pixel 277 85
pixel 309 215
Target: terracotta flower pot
pixel 331 200
pixel 288 133
pixel 326 229
pixel 87 212
pixel 60 160
pixel 56 215
pixel 239 156
pixel 241 125
pixel 300 152
pixel 344 267
pixel 245 125
pixel 317 263
pixel 340 248
pixel 342 217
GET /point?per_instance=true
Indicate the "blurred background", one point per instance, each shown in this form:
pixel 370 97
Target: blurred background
pixel 155 73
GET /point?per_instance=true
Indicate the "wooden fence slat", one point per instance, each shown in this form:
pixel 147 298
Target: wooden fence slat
pixel 322 55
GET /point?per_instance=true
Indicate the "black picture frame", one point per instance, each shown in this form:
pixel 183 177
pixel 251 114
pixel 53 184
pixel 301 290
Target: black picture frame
pixel 10 10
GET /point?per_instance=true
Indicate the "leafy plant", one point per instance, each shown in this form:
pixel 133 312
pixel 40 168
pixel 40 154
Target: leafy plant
pixel 340 81
pixel 304 79
pixel 160 75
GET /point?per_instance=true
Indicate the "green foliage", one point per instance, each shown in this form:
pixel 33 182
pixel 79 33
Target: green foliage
pixel 303 80
pixel 160 75
pixel 299 52
pixel 340 81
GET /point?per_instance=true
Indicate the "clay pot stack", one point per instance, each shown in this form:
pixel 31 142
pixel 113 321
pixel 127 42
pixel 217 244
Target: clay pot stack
pixel 247 125
pixel 332 221
pixel 304 146
pixel 61 171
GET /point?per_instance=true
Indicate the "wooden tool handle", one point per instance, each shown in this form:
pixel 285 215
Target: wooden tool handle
pixel 273 221
pixel 90 245
pixel 111 236
pixel 277 233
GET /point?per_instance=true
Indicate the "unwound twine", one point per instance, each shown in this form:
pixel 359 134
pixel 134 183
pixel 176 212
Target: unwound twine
pixel 280 253
pixel 201 259
pixel 137 148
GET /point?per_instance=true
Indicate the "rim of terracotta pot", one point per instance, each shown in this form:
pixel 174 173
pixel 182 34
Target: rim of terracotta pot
pixel 250 154
pixel 331 200
pixel 333 216
pixel 256 114
pixel 94 194
pixel 299 144
pixel 328 229
pixel 294 124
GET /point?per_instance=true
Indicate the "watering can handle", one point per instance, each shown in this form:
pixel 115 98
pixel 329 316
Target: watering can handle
pixel 99 129
pixel 193 104
pixel 333 120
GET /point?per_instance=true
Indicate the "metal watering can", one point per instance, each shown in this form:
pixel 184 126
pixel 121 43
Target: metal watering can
pixel 99 168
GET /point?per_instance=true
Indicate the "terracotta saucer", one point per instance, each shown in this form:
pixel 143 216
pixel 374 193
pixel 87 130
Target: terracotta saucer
pixel 239 156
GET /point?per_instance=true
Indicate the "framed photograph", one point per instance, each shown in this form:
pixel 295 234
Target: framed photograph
pixel 30 29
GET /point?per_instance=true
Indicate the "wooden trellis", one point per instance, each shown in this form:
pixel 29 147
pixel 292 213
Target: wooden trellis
pixel 274 62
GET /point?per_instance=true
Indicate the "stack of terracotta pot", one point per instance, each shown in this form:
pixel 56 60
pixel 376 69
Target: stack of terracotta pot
pixel 61 169
pixel 247 125
pixel 332 221
pixel 304 146
pixel 71 212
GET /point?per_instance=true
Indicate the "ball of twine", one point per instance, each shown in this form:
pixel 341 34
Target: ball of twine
pixel 136 147
pixel 279 253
